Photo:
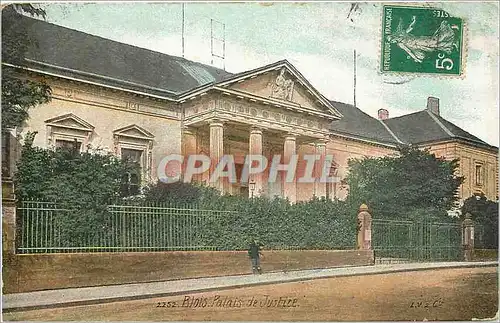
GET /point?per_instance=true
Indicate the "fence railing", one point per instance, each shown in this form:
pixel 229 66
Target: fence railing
pixel 485 236
pixel 402 240
pixel 47 228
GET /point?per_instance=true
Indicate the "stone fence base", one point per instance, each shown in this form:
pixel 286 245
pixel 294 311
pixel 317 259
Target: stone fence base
pixel 24 273
pixel 485 254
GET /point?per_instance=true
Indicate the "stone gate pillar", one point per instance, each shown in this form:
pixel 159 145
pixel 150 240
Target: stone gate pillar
pixel 364 228
pixel 468 237
pixel 8 218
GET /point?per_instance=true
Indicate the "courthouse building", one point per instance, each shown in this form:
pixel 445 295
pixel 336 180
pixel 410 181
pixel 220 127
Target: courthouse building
pixel 145 105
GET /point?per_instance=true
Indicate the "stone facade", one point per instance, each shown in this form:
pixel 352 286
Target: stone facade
pixel 270 113
pixel 108 120
pixel 479 167
pixel 344 149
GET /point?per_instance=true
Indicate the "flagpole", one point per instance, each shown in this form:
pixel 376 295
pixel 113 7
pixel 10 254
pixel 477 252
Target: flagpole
pixel 354 78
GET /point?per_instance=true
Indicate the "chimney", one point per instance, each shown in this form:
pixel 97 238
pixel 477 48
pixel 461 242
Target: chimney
pixel 383 114
pixel 433 105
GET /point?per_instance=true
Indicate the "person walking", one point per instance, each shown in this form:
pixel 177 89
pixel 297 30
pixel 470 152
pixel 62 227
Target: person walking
pixel 254 253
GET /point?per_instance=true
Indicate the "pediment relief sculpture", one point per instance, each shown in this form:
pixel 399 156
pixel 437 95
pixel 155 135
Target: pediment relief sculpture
pixel 282 88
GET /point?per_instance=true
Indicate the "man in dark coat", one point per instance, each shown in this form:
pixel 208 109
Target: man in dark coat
pixel 254 254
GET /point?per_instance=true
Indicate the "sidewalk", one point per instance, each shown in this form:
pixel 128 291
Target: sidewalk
pixel 105 294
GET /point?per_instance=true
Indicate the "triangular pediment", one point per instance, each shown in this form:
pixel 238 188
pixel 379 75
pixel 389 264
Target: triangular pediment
pixel 281 82
pixel 70 121
pixel 134 131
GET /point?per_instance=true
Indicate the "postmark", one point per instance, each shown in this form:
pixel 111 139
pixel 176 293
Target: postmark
pixel 421 40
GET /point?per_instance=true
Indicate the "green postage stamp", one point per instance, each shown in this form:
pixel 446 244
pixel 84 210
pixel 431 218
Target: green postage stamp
pixel 421 40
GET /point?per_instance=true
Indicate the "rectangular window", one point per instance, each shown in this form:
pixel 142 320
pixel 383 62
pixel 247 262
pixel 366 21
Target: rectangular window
pixel 68 144
pixel 479 174
pixel 331 188
pixel 132 180
pixel 132 155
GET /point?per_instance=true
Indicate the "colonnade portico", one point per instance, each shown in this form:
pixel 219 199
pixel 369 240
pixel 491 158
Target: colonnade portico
pixel 218 130
pixel 268 112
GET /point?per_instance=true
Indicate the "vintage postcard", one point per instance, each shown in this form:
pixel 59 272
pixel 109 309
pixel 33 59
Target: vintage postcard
pixel 250 161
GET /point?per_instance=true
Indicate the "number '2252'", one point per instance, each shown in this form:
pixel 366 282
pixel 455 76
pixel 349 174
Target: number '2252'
pixel 444 63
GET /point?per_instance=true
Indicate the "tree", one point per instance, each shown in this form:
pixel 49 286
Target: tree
pixel 18 94
pixel 412 181
pixel 84 183
pixel 484 213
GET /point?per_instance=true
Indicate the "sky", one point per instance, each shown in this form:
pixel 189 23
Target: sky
pixel 319 40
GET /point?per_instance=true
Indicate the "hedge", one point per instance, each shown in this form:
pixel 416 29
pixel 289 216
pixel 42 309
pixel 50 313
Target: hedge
pixel 277 224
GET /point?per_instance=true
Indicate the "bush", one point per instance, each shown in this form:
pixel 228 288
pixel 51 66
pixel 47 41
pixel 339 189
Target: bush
pixel 83 183
pixel 316 224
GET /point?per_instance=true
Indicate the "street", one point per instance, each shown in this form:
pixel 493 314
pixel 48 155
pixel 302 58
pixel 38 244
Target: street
pixel 444 294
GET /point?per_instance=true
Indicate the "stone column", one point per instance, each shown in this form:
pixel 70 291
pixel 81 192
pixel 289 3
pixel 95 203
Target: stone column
pixel 216 150
pixel 320 187
pixel 189 147
pixel 289 149
pixel 468 237
pixel 364 228
pixel 255 148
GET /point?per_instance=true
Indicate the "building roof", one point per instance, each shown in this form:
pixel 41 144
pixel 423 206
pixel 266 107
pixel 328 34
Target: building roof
pixel 360 125
pixel 418 128
pixel 425 127
pixel 74 53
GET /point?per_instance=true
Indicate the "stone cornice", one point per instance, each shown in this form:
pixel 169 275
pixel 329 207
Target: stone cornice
pixel 97 97
pixel 274 102
pixel 361 140
pixel 463 141
pixel 256 115
pixel 80 80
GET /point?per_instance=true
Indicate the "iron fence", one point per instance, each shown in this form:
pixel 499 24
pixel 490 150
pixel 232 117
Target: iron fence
pixel 46 228
pixel 485 236
pixel 396 241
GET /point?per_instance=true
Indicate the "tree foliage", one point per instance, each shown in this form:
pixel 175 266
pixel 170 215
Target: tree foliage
pixel 180 192
pixel 484 213
pixel 83 182
pixel 18 93
pixel 394 186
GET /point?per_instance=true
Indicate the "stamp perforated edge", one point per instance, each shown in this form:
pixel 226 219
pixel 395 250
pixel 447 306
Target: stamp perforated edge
pixel 465 41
